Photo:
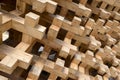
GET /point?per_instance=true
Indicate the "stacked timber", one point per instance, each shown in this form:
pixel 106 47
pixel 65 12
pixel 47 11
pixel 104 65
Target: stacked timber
pixel 60 40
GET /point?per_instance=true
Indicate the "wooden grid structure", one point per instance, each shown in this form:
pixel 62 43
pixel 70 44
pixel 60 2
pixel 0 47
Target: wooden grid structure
pixel 60 40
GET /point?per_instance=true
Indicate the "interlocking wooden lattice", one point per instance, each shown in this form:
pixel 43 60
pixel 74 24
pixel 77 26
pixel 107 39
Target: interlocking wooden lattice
pixel 60 40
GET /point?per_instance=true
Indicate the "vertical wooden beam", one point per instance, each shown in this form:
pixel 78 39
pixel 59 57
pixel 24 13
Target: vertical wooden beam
pixel 20 6
pixel 58 21
pixel 31 20
pixel 0 37
pixel 52 76
pixel 39 5
pixel 0 24
pixel 52 33
pixel 0 18
pixel 63 12
pixel 83 2
pixel 103 6
pixel 64 52
pixel 51 6
pixel 27 39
